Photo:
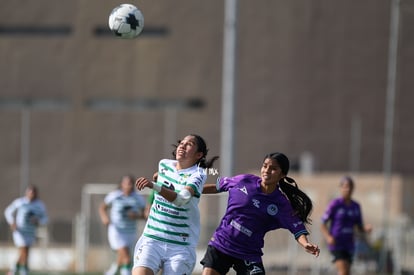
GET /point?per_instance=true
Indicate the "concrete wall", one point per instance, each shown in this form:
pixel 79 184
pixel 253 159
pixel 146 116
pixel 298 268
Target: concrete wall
pixel 306 72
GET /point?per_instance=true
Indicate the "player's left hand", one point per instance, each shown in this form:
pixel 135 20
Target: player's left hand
pixel 312 249
pixel 34 221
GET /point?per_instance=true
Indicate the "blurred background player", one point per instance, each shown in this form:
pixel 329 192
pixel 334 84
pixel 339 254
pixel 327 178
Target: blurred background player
pixel 24 215
pixel 256 205
pixel 126 207
pixel 172 231
pixel 341 218
pixel 150 198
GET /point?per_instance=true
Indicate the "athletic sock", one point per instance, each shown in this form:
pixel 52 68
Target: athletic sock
pixel 112 270
pixel 13 270
pixel 23 270
pixel 125 269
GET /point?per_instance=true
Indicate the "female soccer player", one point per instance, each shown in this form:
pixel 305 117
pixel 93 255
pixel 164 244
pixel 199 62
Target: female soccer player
pixel 172 231
pixel 342 215
pixel 255 206
pixel 126 206
pixel 24 215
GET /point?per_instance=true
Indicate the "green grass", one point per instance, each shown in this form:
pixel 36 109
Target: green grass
pixel 63 273
pixel 36 272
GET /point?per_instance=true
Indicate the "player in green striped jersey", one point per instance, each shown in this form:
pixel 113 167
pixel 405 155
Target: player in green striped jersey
pixel 172 230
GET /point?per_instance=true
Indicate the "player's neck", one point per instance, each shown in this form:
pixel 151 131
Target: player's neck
pixel 181 165
pixel 268 188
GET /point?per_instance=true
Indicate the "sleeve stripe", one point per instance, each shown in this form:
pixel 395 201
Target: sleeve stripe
pixel 302 232
pixel 218 184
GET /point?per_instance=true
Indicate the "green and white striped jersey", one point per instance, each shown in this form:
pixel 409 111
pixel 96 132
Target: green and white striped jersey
pixel 168 222
pixel 22 211
pixel 120 205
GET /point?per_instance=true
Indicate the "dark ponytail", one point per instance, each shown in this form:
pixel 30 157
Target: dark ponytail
pixel 301 203
pixel 204 163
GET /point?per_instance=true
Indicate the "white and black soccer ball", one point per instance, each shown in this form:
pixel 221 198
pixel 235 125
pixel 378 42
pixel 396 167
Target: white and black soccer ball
pixel 126 21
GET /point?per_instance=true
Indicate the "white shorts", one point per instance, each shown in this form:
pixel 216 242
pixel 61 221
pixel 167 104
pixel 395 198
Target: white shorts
pixel 171 258
pixel 119 240
pixel 23 240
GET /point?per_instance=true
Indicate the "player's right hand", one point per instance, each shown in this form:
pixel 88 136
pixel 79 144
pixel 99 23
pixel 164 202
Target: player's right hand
pixel 330 240
pixel 13 226
pixel 106 221
pixel 155 177
pixel 142 182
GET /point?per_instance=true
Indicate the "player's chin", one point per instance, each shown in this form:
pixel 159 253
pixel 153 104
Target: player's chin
pixel 267 181
pixel 180 157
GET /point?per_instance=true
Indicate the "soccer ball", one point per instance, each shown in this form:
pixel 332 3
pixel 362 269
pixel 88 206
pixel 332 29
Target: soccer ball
pixel 126 21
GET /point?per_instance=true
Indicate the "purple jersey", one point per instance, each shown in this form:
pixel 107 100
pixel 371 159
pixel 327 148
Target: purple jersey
pixel 343 217
pixel 250 214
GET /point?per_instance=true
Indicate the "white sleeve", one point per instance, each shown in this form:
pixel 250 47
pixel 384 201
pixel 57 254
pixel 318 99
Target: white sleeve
pixel 183 197
pixel 111 196
pixel 10 211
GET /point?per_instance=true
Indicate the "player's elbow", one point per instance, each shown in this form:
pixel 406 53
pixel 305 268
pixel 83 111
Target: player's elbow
pixel 183 197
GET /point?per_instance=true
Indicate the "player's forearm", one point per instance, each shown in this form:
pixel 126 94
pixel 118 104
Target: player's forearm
pixel 9 215
pixel 210 188
pixel 103 214
pixel 303 240
pixel 325 231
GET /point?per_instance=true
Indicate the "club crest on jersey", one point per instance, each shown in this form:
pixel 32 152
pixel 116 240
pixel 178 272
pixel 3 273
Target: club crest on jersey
pixel 272 209
pixel 185 176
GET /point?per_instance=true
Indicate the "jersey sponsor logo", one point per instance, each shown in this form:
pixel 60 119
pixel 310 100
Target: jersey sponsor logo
pixel 241 228
pixel 347 230
pixel 351 213
pixel 272 209
pixel 167 210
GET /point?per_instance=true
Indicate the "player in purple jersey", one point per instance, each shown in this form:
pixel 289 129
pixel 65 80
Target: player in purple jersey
pixel 339 221
pixel 255 206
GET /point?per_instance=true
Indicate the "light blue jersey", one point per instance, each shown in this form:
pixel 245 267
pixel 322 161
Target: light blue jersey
pixel 120 206
pixel 24 213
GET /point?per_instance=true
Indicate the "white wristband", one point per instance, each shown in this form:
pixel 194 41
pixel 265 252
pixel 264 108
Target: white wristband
pixel 156 187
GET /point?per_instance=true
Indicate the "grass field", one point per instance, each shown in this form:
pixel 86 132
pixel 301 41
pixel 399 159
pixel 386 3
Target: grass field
pixel 55 273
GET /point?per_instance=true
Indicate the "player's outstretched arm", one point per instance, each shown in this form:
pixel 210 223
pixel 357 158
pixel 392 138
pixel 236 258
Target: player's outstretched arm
pixel 210 188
